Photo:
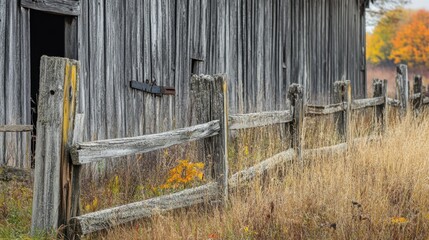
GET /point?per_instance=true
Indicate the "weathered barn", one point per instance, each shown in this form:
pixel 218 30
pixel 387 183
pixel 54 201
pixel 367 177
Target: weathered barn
pixel 262 45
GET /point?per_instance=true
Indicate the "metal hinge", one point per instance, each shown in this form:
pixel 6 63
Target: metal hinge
pixel 151 87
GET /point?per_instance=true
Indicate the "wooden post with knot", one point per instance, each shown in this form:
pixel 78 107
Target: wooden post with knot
pixel 209 101
pixel 418 94
pixel 343 94
pixel 380 90
pixel 53 199
pixel 402 88
pixel 295 95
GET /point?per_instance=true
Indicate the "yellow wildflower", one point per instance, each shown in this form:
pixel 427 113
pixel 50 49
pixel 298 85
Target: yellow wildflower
pixel 399 220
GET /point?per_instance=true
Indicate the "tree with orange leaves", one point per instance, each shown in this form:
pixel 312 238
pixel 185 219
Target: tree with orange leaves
pixel 411 43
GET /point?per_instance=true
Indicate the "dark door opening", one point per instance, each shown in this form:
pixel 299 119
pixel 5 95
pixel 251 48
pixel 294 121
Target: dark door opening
pixel 47 34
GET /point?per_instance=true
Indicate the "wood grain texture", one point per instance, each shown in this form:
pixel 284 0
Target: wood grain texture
pixel 368 102
pixel 402 85
pixel 257 170
pixel 16 128
pixel 65 7
pixel 83 153
pixel 2 79
pixel 252 120
pixel 324 109
pixel 262 46
pixel 107 218
pixel 46 192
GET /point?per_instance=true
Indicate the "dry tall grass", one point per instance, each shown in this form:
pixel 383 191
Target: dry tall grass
pixel 378 190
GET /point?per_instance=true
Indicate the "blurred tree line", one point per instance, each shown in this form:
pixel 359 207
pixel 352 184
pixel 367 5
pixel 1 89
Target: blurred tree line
pixel 400 36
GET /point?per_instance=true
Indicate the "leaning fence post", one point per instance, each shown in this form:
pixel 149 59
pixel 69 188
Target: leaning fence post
pixel 55 124
pixel 380 90
pixel 402 85
pixel 343 94
pixel 418 93
pixel 295 95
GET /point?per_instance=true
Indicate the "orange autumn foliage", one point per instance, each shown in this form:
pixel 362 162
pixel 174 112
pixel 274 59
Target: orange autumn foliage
pixel 411 44
pixel 401 36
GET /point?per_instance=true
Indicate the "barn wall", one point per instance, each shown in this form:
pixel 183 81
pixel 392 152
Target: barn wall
pixel 14 82
pixel 262 46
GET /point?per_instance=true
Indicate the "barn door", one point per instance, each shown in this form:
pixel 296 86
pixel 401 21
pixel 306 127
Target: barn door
pixel 52 32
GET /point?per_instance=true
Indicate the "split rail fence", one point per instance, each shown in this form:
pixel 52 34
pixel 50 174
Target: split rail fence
pixel 60 154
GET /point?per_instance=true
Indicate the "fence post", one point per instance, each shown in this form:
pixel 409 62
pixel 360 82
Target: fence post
pixel 402 85
pixel 52 193
pixel 209 100
pixel 295 95
pixel 418 93
pixel 219 108
pixel 380 90
pixel 343 94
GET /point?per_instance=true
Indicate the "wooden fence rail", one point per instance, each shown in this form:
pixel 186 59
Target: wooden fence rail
pixel 210 111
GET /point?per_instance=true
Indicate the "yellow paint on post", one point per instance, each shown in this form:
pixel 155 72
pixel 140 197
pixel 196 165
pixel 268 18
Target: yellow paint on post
pixel 69 110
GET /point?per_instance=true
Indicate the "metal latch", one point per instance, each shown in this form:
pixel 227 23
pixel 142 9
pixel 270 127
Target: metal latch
pixel 151 87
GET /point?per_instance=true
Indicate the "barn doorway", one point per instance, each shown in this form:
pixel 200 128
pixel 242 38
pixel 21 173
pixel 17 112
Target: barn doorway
pixel 47 37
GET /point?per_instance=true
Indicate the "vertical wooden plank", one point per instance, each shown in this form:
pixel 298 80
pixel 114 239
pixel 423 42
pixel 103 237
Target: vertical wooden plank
pixel 219 110
pixel 295 96
pixel 98 66
pixel 379 91
pixel 25 87
pixel 12 80
pixel 417 90
pixel 342 90
pixel 385 107
pixel 75 180
pixel 70 96
pixel 84 58
pixel 46 193
pixel 402 87
pixel 2 78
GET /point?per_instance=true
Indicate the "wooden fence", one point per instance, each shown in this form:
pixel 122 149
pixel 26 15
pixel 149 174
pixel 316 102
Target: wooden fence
pixel 59 154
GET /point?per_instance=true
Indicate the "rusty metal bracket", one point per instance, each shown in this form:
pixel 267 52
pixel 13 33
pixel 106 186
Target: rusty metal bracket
pixel 151 87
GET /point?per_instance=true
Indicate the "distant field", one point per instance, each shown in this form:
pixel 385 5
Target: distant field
pixel 389 73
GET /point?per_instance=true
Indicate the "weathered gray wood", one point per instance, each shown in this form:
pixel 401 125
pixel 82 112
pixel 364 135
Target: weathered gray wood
pixel 107 218
pixel 252 120
pixel 88 152
pixel 219 110
pixel 3 5
pixel 342 91
pixel 383 110
pixel 295 95
pixel 70 99
pixel 425 100
pixel 259 169
pixel 65 7
pixel 402 85
pixel 46 193
pixel 368 102
pixel 74 203
pixel 418 94
pixel 325 110
pixel 325 151
pixel 16 128
pixel 393 102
